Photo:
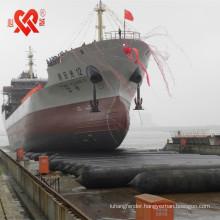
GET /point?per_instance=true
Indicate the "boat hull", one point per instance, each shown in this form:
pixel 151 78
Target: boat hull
pixel 73 127
pixel 80 141
pixel 59 117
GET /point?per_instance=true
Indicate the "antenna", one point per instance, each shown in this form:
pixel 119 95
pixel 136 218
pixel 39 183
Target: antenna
pixel 100 9
pixel 31 62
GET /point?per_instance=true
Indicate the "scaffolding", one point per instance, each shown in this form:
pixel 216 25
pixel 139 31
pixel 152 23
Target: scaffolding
pixel 52 180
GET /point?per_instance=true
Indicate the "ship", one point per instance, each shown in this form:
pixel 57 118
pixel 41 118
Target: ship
pixel 84 103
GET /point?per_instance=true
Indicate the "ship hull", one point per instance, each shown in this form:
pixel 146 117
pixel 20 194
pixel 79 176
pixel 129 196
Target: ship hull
pixel 73 127
pixel 59 116
pixel 79 141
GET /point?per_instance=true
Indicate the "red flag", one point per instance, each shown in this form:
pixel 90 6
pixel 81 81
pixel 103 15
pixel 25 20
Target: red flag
pixel 128 15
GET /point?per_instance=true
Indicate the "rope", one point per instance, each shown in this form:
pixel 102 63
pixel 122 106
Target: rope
pixel 89 24
pixel 110 15
pixel 129 27
pixel 114 19
pixel 81 29
pixel 96 28
pixel 75 31
pixel 109 20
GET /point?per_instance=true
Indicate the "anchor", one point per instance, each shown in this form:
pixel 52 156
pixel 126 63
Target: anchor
pixel 95 77
pixel 138 101
pixel 94 103
pixel 137 78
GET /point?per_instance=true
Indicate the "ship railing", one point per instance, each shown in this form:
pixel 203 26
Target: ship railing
pixel 28 79
pixel 124 35
pixel 190 133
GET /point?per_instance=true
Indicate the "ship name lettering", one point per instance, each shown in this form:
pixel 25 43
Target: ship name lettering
pixel 79 71
pixel 71 74
pixel 65 75
pixel 60 77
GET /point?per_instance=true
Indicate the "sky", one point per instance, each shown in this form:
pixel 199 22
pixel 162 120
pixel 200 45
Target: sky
pixel 192 43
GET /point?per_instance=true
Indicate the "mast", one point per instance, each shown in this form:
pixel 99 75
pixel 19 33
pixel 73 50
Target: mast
pixel 30 63
pixel 100 9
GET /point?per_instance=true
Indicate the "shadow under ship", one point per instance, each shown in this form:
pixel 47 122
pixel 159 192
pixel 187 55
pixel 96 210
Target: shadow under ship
pixel 84 104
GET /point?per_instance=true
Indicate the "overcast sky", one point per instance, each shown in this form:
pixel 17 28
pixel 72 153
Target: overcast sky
pixel 193 48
